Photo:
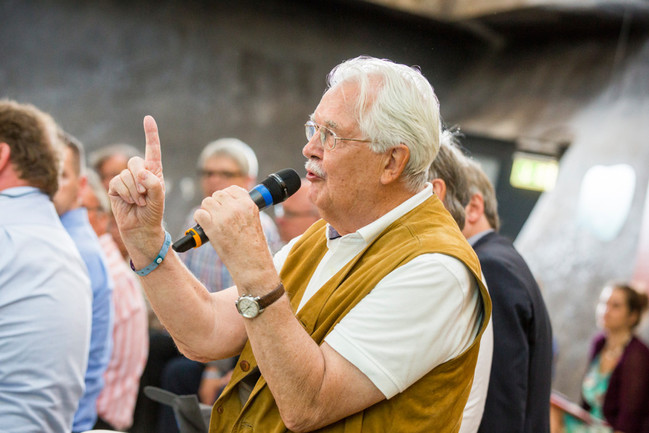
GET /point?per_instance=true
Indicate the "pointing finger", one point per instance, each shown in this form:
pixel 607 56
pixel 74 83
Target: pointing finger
pixel 152 154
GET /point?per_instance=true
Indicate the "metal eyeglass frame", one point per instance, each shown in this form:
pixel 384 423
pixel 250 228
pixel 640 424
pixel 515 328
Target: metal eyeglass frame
pixel 310 128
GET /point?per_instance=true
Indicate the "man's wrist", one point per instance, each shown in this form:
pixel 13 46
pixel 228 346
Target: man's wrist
pixel 149 250
pixel 250 306
pixel 258 283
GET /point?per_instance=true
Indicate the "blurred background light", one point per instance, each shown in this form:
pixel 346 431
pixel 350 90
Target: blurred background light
pixel 534 172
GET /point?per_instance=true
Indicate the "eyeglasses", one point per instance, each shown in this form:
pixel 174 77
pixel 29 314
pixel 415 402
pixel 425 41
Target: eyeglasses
pixel 328 138
pixel 95 209
pixel 220 173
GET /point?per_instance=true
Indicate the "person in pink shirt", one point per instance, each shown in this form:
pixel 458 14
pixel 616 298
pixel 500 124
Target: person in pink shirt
pixel 116 402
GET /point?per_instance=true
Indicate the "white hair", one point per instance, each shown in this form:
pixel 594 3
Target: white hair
pixel 236 150
pixel 98 157
pixel 401 107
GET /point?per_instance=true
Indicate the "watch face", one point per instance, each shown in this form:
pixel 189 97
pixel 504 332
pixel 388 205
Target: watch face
pixel 248 307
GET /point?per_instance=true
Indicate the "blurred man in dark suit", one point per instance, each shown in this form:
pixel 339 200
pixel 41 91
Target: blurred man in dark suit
pixel 518 397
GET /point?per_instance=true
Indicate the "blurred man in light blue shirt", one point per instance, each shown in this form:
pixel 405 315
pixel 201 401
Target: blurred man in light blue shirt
pixel 75 220
pixel 45 295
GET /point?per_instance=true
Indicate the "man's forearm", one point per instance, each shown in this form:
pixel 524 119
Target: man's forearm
pixel 289 359
pixel 198 321
pixel 313 385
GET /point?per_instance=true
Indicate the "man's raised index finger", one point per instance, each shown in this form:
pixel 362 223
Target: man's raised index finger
pixel 152 152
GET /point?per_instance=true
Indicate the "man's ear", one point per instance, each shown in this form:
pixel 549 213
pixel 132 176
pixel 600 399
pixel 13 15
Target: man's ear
pixel 5 151
pixel 83 183
pixel 439 188
pixel 475 209
pixel 395 162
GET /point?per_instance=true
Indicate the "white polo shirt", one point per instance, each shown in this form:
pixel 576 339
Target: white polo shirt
pixel 419 316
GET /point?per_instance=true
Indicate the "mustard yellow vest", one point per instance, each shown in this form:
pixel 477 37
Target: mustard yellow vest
pixel 435 402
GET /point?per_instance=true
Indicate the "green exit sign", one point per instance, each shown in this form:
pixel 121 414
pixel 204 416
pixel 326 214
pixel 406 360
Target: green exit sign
pixel 534 172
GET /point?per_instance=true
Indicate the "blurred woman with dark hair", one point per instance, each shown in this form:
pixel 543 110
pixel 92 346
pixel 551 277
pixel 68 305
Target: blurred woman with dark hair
pixel 616 385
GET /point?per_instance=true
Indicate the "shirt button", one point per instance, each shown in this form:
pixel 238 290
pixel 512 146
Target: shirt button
pixel 244 365
pixel 219 409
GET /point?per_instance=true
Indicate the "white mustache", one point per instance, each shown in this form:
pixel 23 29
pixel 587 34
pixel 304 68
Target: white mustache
pixel 315 168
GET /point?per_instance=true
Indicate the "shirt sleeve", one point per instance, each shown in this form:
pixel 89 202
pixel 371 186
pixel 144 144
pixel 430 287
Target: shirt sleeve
pixel 633 389
pixel 421 315
pixel 271 232
pixel 280 257
pixel 475 405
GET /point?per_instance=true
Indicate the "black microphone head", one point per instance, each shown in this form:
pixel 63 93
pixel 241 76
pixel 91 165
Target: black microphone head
pixel 283 184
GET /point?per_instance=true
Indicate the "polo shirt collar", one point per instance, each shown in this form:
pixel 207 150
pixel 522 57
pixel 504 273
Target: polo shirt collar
pixel 375 228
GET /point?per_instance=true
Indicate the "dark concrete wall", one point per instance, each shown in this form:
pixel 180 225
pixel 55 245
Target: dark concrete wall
pixel 249 69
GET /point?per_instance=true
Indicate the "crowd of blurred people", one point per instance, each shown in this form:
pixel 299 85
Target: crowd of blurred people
pixel 79 340
pixel 89 291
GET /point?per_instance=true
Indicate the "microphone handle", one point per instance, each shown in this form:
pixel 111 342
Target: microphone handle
pixel 283 184
pixel 194 237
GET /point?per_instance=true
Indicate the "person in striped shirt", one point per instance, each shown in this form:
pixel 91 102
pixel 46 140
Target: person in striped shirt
pixel 116 402
pixel 222 163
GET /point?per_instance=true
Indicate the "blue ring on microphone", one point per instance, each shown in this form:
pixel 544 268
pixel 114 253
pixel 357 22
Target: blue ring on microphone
pixel 268 198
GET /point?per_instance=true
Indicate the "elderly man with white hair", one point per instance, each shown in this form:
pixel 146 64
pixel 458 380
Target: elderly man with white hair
pixel 223 163
pixel 371 320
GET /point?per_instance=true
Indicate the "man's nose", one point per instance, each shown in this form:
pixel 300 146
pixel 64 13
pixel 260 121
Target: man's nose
pixel 313 149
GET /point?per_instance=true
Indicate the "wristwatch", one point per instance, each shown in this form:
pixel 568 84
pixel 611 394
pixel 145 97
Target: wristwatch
pixel 251 306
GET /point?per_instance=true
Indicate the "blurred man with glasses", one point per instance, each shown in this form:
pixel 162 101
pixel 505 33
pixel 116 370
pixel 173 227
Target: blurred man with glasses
pixel 222 163
pixel 116 401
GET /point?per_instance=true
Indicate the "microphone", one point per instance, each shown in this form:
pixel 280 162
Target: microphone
pixel 276 188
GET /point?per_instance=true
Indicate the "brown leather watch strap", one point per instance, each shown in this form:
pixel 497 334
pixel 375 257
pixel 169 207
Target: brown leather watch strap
pixel 269 298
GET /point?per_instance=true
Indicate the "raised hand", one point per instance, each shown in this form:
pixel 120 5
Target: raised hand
pixel 137 193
